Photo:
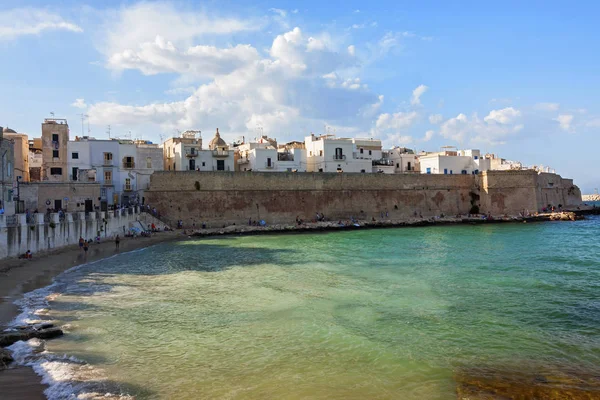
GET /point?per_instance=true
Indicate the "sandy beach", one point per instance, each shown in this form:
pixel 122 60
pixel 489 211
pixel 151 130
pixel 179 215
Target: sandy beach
pixel 18 277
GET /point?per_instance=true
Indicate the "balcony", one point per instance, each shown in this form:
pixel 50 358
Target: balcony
pixel 221 153
pixel 191 153
pixel 129 165
pixel 243 161
pixel 383 162
pixel 107 182
pixel 339 157
pixel 128 188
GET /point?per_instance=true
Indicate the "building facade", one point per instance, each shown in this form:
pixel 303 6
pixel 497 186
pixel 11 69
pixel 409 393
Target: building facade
pixel 7 159
pixel 55 136
pixel 185 153
pixel 454 162
pixel 327 153
pixel 21 151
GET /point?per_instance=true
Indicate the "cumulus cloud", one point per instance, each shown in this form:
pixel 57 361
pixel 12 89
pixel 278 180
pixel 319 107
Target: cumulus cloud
pixel 30 21
pixel 494 129
pixel 547 106
pixel 428 136
pixel 162 56
pixel 416 95
pixel 397 121
pixel 565 121
pixel 296 85
pixel 504 116
pixel 79 103
pixel 435 119
pixel 279 11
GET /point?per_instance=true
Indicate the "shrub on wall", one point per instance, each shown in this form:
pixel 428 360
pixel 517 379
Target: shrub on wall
pixel 52 225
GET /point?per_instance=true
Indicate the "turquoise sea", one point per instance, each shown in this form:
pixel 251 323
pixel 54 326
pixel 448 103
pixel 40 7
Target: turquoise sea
pixel 414 313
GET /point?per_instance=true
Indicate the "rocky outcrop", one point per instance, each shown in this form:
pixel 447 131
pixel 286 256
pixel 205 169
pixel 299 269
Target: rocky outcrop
pixel 42 331
pixel 5 358
pixel 590 197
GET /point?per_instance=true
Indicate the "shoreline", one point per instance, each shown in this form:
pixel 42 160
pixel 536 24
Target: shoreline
pixel 18 277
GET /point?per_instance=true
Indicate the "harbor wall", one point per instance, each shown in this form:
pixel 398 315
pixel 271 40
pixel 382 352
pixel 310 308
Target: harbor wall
pixel 222 198
pixel 41 233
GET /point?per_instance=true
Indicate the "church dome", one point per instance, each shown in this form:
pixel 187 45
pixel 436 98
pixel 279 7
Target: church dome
pixel 217 141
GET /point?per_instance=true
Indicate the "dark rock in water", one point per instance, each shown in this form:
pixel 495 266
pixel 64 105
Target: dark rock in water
pixel 5 358
pixel 8 338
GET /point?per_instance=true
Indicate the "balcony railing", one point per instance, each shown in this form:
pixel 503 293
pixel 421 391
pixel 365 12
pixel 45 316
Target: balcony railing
pixel 243 161
pixel 107 162
pixel 107 182
pixel 220 153
pixel 339 157
pixel 384 162
pixel 191 153
pixel 128 188
pixel 129 165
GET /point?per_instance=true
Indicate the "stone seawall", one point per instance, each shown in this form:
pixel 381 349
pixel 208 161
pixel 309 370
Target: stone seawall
pixel 40 234
pixel 228 197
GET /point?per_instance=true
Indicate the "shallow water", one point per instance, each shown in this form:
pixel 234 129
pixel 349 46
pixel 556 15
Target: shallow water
pixel 377 314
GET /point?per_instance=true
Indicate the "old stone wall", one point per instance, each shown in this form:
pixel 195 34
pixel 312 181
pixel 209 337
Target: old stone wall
pixel 42 195
pixel 40 233
pixel 221 198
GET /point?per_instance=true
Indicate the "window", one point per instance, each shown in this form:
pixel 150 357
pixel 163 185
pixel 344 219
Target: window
pixel 475 157
pixel 128 162
pixel 55 154
pixel 55 138
pixel 9 169
pixel 75 172
pixel 55 171
pixel 361 151
pixel 370 153
pixel 107 158
pixel 429 170
pixel 107 177
pixel 338 153
pixel 476 171
pixel 148 162
pixel 269 162
pixel 362 171
pixel 203 164
pixel 127 184
pixel 75 156
pixel 464 172
pixel 408 166
pixel 220 165
pixel 320 153
pixel 397 165
pixel 450 172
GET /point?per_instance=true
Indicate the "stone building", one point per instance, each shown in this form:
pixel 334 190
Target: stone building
pixel 36 160
pixel 7 160
pixel 55 136
pixel 452 162
pixel 185 153
pixel 21 150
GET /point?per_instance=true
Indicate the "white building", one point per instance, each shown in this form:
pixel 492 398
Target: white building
pixel 265 156
pixel 329 154
pixel 398 160
pixel 186 154
pixel 123 167
pixel 452 162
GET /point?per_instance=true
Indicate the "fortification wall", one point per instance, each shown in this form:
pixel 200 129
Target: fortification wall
pixel 221 198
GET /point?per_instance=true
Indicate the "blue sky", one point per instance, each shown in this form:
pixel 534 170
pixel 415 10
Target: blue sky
pixel 519 79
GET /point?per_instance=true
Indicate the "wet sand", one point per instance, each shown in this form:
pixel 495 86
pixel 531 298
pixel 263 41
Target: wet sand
pixel 18 277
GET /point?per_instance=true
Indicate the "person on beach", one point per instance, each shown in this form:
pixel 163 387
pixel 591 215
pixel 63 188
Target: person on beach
pixel 117 241
pixel 81 242
pixel 85 247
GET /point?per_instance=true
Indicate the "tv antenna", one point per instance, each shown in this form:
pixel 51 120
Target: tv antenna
pixel 52 114
pixel 82 119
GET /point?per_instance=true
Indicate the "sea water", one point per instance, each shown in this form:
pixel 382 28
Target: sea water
pixel 364 314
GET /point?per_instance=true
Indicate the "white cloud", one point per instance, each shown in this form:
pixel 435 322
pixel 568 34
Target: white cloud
pixel 372 109
pixel 435 119
pixel 504 116
pixel 494 129
pixel 428 136
pixel 397 121
pixel 161 56
pixel 416 95
pixel 297 87
pixel 398 140
pixel 356 11
pixel 594 123
pixel 30 21
pixel 565 121
pixel 129 27
pixel 295 11
pixel 181 90
pixel 79 103
pixel 547 106
pixel 351 50
pixel 279 11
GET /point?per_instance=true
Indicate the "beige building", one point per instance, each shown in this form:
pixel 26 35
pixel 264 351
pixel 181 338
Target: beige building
pixel 6 174
pixel 21 142
pixel 182 151
pixel 55 136
pixel 69 197
pixel 35 160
